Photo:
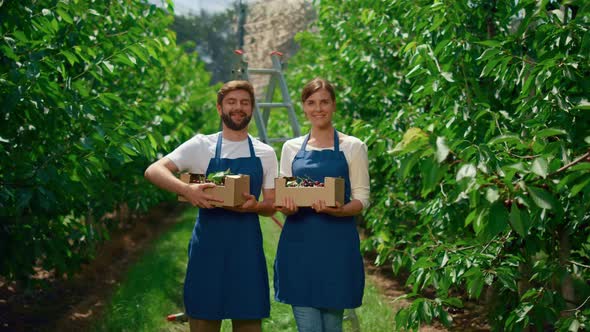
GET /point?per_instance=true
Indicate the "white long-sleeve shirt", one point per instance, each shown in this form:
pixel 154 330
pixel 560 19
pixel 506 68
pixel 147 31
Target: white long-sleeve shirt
pixel 355 152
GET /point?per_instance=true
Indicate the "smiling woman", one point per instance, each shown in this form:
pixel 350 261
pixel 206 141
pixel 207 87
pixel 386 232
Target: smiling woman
pixel 319 106
pixel 318 268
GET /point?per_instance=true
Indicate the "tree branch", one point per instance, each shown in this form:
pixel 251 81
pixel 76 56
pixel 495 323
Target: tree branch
pixel 579 307
pixel 576 161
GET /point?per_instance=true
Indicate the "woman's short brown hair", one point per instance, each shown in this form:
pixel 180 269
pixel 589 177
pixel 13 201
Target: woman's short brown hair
pixel 316 84
pixel 235 85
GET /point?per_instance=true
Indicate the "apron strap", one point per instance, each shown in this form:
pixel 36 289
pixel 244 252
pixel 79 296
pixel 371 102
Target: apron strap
pixel 304 145
pixel 218 146
pixel 336 141
pixel 251 146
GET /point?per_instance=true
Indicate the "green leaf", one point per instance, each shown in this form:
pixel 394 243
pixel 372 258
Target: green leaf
pixel 542 198
pixel 445 260
pixel 417 70
pixel 498 220
pixel 20 36
pixel 65 16
pixel 474 282
pixel 489 43
pixel 108 65
pixel 442 150
pixel 453 301
pixel 489 53
pixel 139 52
pixel 407 164
pixel 426 311
pixel 480 222
pixel 580 186
pixel 540 167
pixel 123 59
pixel 431 173
pixel 574 326
pixel 513 139
pixel 410 46
pixel 466 171
pixel 492 194
pixel 129 149
pixel 413 139
pixel 153 141
pixel 470 217
pixel 584 105
pixel 580 167
pixel 550 132
pixel 447 76
pixel 423 263
pixel 71 57
pixel 218 177
pixel 568 179
pixel 517 222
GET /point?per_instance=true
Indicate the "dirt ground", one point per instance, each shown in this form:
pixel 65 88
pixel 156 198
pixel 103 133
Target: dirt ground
pixel 72 305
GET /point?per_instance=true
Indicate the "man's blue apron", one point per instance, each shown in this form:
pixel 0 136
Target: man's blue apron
pixel 318 262
pixel 226 274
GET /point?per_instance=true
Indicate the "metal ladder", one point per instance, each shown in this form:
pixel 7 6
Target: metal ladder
pixel 263 108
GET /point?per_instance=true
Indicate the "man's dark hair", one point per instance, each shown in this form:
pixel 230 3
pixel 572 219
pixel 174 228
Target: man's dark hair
pixel 235 85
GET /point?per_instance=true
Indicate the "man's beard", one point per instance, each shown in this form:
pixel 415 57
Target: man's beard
pixel 226 118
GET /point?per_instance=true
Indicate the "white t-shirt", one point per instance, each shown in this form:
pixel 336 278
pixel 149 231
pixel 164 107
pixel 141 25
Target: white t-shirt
pixel 193 156
pixel 356 154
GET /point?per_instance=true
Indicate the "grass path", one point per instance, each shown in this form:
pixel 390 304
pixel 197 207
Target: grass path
pixel 153 289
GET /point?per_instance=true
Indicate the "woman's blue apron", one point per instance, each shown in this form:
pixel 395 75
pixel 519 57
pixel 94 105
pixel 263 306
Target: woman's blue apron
pixel 318 262
pixel 226 274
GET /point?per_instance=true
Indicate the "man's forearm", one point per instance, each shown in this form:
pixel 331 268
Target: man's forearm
pixel 165 179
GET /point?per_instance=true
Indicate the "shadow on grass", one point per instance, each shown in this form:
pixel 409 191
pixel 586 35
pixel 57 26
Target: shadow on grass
pixel 153 286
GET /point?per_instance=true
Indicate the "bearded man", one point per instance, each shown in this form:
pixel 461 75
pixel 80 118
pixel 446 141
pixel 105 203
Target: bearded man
pixel 226 275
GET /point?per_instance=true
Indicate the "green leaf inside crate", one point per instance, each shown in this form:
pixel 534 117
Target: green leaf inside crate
pixel 218 177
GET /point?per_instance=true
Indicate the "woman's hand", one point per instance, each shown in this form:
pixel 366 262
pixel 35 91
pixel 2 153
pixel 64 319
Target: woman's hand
pixel 288 208
pixel 321 207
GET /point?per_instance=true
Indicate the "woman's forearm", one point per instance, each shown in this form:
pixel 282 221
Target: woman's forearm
pixel 352 208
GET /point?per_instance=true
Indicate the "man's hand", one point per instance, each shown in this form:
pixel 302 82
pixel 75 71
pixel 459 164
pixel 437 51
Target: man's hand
pixel 250 205
pixel 195 194
pixel 288 208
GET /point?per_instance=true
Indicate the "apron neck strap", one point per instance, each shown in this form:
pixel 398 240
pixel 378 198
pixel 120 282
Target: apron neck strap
pixel 218 146
pixel 304 145
pixel 219 142
pixel 336 141
pixel 251 146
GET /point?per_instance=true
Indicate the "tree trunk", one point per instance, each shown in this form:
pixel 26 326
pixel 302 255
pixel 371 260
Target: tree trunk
pixel 567 284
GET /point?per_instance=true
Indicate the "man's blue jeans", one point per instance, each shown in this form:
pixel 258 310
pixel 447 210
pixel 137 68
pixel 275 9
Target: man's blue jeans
pixel 318 320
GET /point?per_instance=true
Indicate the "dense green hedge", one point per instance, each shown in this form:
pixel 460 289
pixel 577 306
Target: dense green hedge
pixel 91 93
pixel 477 119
